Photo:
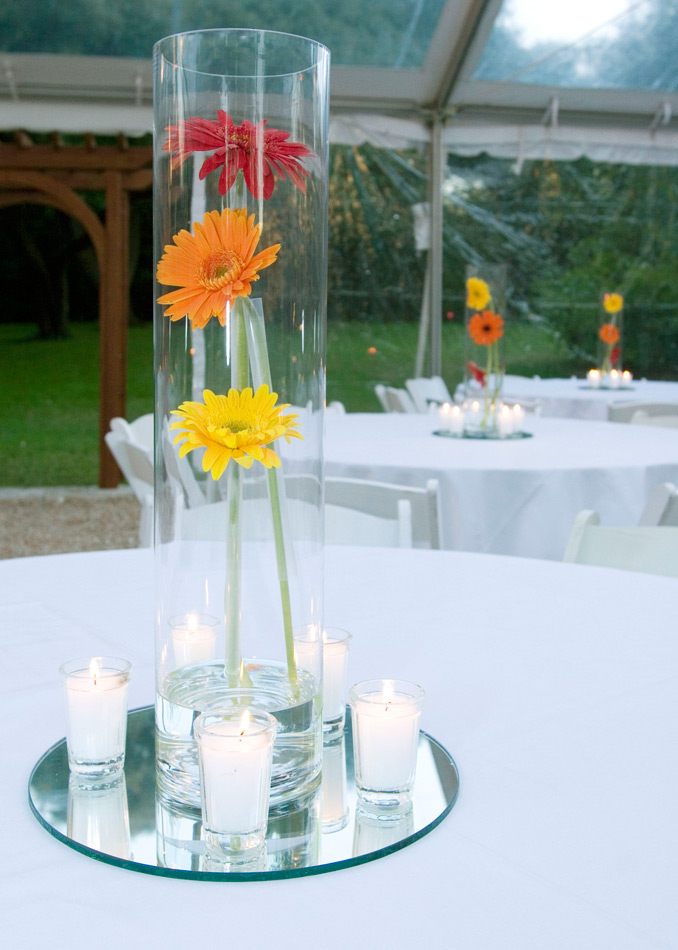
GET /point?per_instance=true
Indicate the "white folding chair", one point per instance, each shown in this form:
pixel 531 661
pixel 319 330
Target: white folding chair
pixel 358 511
pixel 643 418
pixel 662 507
pixel 394 400
pixel 136 465
pixel 426 390
pixel 649 550
pixel 139 431
pixel 625 411
pixel 336 408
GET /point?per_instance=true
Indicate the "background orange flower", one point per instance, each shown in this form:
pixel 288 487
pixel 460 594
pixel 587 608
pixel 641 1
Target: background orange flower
pixel 609 333
pixel 486 328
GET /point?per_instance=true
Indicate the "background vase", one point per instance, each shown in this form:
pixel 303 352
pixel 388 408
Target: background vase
pixel 243 553
pixel 484 361
pixel 610 338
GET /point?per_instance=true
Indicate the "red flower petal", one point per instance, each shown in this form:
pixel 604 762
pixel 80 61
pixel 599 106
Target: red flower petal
pixel 477 373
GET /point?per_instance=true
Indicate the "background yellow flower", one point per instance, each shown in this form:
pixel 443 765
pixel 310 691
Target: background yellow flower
pixel 477 294
pixel 613 303
pixel 238 426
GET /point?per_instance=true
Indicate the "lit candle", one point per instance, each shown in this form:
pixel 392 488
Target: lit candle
pixel 235 750
pixel 444 415
pixel 96 713
pixel 194 638
pixel 518 418
pixel 473 414
pixel 335 666
pixel 385 716
pixel 627 379
pixel 593 377
pixel 455 420
pixel 613 379
pixel 505 422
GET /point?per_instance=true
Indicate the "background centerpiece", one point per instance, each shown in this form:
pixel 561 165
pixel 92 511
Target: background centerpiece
pixel 484 348
pixel 240 202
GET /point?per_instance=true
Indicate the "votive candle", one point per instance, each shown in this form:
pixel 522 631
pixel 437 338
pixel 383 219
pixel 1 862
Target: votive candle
pixel 593 378
pixel 194 638
pixel 613 379
pixel 627 379
pixel 518 418
pixel 95 690
pixel 235 751
pixel 505 422
pixel 385 715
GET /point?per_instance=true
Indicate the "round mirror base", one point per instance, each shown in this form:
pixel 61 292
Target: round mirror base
pixel 124 821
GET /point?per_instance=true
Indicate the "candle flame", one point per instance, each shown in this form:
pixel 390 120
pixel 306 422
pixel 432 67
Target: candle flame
pixel 244 722
pixel 191 623
pixel 475 405
pixel 94 670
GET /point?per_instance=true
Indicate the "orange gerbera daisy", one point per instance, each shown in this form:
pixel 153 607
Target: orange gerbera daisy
pixel 485 328
pixel 609 333
pixel 213 266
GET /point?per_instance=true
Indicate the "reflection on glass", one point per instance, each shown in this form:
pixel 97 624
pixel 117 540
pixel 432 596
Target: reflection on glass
pixel 179 842
pixel 217 861
pixel 98 816
pixel 334 804
pixel 373 831
pixel 293 836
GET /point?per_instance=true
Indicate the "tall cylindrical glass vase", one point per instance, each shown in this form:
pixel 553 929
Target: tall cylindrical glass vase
pixel 484 348
pixel 240 214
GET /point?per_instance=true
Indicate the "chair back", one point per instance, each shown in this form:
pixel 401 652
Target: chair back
pixel 139 431
pixel 649 550
pixel 137 466
pixel 426 390
pixel 662 507
pixel 642 418
pixel 394 400
pixel 625 411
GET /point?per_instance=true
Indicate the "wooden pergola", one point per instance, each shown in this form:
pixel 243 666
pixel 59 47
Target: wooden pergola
pixel 53 174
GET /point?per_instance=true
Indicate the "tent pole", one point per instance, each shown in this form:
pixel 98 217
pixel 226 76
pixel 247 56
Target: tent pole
pixel 436 179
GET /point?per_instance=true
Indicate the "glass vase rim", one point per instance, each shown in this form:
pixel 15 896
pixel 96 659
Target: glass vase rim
pixel 165 40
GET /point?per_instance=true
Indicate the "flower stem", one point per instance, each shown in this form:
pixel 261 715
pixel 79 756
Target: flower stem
pixel 232 601
pixel 261 372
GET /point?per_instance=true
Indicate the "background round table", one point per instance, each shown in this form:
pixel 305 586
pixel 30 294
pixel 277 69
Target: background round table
pixel 573 399
pixel 554 686
pixel 510 496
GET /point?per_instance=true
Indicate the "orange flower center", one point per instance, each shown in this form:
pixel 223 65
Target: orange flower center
pixel 220 267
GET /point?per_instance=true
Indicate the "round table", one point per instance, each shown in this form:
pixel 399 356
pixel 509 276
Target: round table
pixel 510 496
pixel 574 399
pixel 555 687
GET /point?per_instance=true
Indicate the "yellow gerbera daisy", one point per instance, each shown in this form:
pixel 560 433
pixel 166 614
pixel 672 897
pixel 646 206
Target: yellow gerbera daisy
pixel 237 426
pixel 477 294
pixel 213 266
pixel 613 302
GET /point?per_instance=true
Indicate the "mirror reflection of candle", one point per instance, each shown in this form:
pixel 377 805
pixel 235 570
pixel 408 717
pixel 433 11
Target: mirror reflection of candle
pixel 98 816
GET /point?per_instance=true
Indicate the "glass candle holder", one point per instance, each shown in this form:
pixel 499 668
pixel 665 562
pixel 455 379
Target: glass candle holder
pixel 336 645
pixel 95 690
pixel 235 750
pixel 194 638
pixel 334 800
pixel 385 715
pixel 98 815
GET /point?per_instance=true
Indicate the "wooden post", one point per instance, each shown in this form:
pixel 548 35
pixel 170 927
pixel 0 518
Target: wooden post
pixel 114 283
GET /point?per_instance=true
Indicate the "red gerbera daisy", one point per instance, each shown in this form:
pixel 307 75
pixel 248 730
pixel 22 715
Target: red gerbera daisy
pixel 477 373
pixel 261 153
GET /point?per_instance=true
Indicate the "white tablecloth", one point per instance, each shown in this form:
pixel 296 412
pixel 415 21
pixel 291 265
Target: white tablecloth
pixel 510 497
pixel 554 686
pixel 572 399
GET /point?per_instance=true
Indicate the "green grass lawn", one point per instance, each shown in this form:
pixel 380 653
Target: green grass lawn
pixel 51 388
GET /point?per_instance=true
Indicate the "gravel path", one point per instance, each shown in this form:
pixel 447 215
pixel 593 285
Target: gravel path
pixel 58 520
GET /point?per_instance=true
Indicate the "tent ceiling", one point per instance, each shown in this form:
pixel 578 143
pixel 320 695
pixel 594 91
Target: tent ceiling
pixel 480 63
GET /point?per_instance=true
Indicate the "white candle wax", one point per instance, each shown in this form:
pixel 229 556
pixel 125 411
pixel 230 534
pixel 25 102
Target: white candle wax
pixel 96 711
pixel 613 379
pixel 385 738
pixel 335 668
pixel 455 420
pixel 593 377
pixel 444 415
pixel 518 418
pixel 473 413
pixel 627 378
pixel 235 751
pixel 334 807
pixel 505 422
pixel 194 639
